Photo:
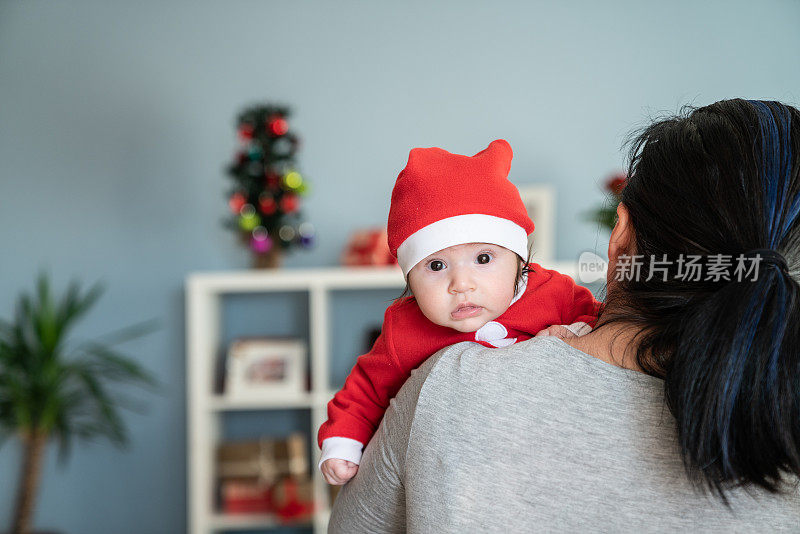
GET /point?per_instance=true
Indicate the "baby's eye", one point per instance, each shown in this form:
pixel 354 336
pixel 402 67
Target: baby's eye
pixel 484 257
pixel 436 265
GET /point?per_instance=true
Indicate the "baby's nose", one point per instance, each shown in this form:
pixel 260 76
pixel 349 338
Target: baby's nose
pixel 461 282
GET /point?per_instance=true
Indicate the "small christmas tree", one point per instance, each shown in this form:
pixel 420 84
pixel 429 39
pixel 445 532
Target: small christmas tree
pixel 265 197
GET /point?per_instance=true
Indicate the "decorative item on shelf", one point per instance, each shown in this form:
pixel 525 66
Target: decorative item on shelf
pixel 293 499
pixel 606 216
pixel 265 198
pixel 245 497
pixel 263 459
pixel 260 366
pixel 52 389
pixel 368 247
pixel 265 476
pixel 540 202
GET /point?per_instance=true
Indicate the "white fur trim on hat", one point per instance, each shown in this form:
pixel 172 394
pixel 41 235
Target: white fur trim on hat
pixel 458 230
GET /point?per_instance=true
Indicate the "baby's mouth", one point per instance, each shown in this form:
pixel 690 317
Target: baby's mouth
pixel 466 310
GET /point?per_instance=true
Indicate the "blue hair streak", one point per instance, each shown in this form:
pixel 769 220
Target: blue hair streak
pixel 774 121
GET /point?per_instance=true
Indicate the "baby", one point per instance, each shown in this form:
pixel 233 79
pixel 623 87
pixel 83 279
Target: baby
pixel 460 232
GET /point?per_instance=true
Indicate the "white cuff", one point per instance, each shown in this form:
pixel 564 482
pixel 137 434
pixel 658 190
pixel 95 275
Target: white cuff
pixel 341 449
pixel 579 329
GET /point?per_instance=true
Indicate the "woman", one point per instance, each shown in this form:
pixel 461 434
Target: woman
pixel 681 410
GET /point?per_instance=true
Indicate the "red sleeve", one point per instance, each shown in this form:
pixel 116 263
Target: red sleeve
pixel 578 304
pixel 357 409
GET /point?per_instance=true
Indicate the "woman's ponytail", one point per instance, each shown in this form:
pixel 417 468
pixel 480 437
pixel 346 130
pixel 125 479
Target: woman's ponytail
pixel 733 383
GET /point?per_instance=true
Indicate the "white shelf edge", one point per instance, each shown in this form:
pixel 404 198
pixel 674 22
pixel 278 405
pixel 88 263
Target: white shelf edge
pixel 303 279
pixel 221 403
pixel 322 519
pixel 299 279
pixel 222 521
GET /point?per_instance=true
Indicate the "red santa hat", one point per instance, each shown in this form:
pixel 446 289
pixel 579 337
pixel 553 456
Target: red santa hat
pixel 442 199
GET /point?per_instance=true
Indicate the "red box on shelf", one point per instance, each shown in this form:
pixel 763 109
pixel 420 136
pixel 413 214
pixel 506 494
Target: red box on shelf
pixel 241 497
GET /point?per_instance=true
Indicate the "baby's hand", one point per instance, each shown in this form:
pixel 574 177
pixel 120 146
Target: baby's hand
pixel 337 472
pixel 556 330
pixel 564 331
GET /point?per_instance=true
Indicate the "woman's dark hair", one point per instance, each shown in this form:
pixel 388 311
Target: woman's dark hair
pixel 720 179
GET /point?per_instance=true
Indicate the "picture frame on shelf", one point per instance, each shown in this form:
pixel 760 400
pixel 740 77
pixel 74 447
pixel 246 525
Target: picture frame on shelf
pixel 264 366
pixel 540 202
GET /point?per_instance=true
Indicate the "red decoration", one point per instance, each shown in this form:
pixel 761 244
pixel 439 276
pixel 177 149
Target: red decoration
pixel 267 205
pixel 236 202
pixel 616 183
pixel 290 203
pixel 368 247
pixel 287 502
pixel 606 215
pixel 246 132
pixel 246 498
pixel 273 180
pixel 277 125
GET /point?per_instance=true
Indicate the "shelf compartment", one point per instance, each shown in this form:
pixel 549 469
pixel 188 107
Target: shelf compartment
pixel 252 522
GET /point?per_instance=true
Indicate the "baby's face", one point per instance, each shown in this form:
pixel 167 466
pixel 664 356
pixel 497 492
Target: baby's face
pixel 465 286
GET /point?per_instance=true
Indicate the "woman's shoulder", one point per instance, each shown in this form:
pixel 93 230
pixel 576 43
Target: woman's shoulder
pixel 547 365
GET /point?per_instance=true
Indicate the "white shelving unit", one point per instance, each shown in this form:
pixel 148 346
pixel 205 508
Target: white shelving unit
pixel 204 292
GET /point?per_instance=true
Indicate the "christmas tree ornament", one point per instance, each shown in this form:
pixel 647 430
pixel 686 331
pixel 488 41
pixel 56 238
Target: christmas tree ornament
pixel 305 229
pixel 306 233
pixel 261 243
pixel 248 219
pixel 237 202
pixel 289 203
pixel 286 233
pixel 273 180
pixel 267 204
pixel 293 180
pixel 307 241
pixel 246 132
pixel 265 197
pixel 254 152
pixel 277 125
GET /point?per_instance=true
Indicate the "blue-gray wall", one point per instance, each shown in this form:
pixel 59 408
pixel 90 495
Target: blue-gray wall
pixel 116 120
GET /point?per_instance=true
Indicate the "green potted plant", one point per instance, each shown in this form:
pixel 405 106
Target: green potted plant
pixel 50 391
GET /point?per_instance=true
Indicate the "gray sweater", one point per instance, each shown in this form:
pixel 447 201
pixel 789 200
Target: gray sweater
pixel 536 437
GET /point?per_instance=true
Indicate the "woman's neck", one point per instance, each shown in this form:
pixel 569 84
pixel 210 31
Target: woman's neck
pixel 614 344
